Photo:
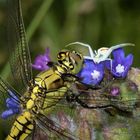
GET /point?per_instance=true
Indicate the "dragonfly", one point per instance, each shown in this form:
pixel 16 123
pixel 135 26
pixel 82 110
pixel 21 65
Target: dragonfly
pixel 38 98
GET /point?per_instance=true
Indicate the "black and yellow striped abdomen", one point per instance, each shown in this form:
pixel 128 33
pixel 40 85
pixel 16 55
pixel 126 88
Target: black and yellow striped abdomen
pixel 22 127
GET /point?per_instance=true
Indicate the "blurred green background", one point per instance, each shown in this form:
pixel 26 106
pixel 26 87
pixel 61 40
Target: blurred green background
pixel 55 23
pixel 96 22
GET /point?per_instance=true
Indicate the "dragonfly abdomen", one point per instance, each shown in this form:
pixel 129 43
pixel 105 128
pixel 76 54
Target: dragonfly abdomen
pixel 22 127
pixel 34 95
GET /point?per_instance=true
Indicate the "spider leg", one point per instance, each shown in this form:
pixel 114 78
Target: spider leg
pixel 92 55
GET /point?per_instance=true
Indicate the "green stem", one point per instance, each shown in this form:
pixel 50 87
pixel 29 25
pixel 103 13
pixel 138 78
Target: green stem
pixel 31 29
pixel 38 18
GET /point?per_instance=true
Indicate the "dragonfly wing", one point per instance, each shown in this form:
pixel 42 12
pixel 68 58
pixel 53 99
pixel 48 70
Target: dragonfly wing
pixel 9 98
pixel 105 115
pixel 38 134
pixel 54 130
pixel 20 60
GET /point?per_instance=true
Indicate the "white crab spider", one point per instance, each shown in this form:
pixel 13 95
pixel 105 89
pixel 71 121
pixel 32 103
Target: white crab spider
pixel 101 54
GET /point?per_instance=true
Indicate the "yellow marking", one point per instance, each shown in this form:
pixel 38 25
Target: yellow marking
pixel 22 119
pixel 30 126
pixel 35 90
pixel 23 136
pixel 44 74
pixel 33 96
pixel 59 70
pixel 50 82
pixel 19 126
pixel 62 54
pixel 27 114
pixel 9 138
pixel 43 84
pixel 48 78
pixel 14 131
pixel 27 131
pixel 30 104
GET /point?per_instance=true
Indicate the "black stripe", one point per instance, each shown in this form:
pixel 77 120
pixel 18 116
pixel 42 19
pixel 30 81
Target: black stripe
pixel 24 129
pixel 24 125
pixel 11 136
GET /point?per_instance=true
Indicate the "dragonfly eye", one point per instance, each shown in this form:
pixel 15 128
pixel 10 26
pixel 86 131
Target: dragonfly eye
pixel 77 61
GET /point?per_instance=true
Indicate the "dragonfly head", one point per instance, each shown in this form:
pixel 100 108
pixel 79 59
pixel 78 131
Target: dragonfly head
pixel 72 60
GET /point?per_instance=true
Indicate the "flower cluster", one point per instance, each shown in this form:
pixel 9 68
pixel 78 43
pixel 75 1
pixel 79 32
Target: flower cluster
pixel 92 73
pixel 13 106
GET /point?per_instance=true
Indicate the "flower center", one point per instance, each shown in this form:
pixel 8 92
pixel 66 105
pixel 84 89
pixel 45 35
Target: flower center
pixel 95 74
pixel 119 68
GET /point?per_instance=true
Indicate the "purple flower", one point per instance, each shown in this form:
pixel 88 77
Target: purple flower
pixel 13 106
pixel 41 61
pixel 92 73
pixel 120 65
pixel 115 91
